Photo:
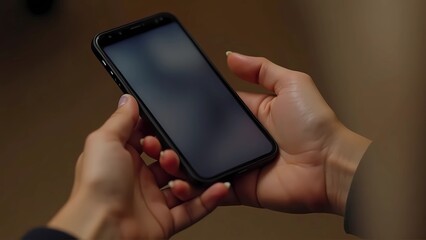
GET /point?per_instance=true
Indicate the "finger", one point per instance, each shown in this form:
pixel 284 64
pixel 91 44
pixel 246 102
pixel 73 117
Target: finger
pixel 170 163
pixel 136 136
pixel 151 146
pixel 162 178
pixel 189 212
pixel 136 157
pixel 171 200
pixel 259 70
pixel 254 101
pixel 184 191
pixel 143 128
pixel 123 121
pixel 244 190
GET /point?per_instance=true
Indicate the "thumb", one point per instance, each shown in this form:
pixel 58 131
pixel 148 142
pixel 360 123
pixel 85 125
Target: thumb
pixel 123 121
pixel 258 70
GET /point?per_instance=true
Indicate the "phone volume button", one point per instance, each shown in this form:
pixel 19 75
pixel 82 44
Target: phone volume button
pixel 121 87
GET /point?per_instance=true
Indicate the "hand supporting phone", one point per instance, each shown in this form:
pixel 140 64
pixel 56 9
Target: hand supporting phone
pixel 191 106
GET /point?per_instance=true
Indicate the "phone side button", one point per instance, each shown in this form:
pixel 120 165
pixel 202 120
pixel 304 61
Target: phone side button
pixel 120 86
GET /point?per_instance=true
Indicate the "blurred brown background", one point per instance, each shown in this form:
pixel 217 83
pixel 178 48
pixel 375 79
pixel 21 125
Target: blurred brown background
pixel 367 58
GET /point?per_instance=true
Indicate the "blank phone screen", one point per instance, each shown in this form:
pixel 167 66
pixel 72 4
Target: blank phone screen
pixel 188 99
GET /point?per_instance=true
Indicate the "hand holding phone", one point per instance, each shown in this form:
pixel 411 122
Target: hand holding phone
pixel 191 106
pixel 318 154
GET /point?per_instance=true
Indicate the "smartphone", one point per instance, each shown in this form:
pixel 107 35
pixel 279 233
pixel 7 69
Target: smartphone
pixel 193 109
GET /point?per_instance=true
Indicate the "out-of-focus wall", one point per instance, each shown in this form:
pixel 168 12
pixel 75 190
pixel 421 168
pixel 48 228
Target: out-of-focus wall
pixel 366 57
pixel 369 57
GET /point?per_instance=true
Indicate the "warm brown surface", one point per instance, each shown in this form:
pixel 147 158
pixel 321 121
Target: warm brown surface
pixel 367 57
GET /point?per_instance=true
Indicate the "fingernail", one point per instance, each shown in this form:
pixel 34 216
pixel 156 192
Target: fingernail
pixel 227 184
pixel 141 141
pixel 227 53
pixel 161 153
pixel 171 183
pixel 123 100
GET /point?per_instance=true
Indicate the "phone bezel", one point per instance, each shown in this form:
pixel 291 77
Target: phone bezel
pixel 126 31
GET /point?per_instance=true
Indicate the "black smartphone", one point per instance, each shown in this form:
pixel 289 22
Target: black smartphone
pixel 194 110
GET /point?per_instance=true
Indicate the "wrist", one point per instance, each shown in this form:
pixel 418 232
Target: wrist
pixel 344 154
pixel 86 219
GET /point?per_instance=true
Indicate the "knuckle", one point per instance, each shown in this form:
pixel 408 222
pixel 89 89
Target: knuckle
pixel 92 137
pixel 96 136
pixel 301 76
pixel 264 68
pixel 264 60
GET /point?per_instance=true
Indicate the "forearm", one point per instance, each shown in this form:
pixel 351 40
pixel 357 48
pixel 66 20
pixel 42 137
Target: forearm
pixel 344 155
pixel 388 194
pixel 85 219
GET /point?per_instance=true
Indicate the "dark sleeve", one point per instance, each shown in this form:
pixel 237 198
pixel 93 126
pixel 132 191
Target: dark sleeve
pixel 387 198
pixel 43 233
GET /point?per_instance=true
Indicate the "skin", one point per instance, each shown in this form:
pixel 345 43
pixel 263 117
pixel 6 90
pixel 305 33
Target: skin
pixel 318 155
pixel 116 195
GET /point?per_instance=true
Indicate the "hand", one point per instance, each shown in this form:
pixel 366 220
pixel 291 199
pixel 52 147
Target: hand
pixel 115 195
pixel 318 155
